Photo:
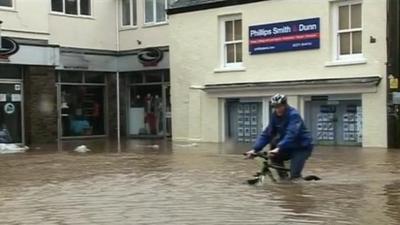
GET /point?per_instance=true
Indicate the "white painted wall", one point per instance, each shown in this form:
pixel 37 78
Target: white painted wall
pixel 95 32
pixel 27 19
pixel 149 36
pixel 195 55
pixel 33 19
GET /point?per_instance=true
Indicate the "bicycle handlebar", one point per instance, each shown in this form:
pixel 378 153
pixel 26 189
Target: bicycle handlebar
pixel 266 157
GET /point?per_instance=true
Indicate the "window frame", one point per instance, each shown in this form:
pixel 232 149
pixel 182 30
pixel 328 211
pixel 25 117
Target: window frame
pixel 131 25
pixel 223 43
pixel 12 7
pixel 63 13
pixel 154 22
pixel 336 32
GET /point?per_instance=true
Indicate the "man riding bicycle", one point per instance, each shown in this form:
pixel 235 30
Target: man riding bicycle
pixel 288 137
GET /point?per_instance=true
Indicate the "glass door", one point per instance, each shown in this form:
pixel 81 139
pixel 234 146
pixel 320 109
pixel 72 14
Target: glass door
pixel 11 112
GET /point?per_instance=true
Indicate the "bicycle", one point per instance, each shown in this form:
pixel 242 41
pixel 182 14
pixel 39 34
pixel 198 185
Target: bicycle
pixel 265 171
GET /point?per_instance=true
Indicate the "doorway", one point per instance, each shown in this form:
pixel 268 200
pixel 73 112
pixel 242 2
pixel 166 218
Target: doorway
pixel 11 112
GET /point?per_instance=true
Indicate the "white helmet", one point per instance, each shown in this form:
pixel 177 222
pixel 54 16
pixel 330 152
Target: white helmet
pixel 278 99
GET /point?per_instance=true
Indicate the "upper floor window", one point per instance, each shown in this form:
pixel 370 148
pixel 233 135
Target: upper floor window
pixel 232 41
pixel 155 11
pixel 349 30
pixel 129 12
pixel 72 7
pixel 6 3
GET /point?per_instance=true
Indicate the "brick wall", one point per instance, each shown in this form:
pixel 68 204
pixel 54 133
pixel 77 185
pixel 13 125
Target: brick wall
pixel 40 95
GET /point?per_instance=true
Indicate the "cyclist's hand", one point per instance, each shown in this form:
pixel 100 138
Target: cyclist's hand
pixel 250 154
pixel 273 152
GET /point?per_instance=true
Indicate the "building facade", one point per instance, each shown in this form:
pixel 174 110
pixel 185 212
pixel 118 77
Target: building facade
pixel 58 66
pixel 329 57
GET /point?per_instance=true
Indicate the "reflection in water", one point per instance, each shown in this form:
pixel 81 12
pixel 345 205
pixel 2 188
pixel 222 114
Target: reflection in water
pixel 199 185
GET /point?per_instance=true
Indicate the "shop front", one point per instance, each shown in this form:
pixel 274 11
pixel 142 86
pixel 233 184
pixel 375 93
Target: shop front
pixel 338 112
pixel 149 111
pixel 27 92
pixel 83 103
pixel 335 120
pixel 245 118
pixel 11 105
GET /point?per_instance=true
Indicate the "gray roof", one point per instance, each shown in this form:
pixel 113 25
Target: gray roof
pixel 188 3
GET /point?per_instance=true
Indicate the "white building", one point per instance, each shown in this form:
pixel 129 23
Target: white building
pixel 66 53
pixel 229 57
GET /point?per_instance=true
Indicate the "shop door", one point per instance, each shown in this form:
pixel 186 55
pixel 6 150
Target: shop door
pixel 244 121
pixel 335 122
pixel 10 113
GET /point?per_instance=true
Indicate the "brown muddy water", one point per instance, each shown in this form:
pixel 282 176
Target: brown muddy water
pixel 195 185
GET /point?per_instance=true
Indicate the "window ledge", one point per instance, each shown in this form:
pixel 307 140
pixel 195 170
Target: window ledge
pixel 347 62
pixel 228 69
pixel 148 25
pixel 8 9
pixel 72 16
pixel 126 28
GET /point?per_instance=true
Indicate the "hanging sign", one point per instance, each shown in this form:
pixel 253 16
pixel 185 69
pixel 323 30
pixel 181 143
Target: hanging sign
pixel 9 108
pixel 150 56
pixel 8 47
pixel 284 36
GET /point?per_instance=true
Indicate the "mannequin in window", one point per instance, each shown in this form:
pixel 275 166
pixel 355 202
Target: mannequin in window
pixel 157 104
pixel 80 125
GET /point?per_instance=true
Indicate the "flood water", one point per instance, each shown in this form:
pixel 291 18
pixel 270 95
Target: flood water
pixel 195 185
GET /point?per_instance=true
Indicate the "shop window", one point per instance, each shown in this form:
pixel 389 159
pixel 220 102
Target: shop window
pixel 94 77
pixel 146 111
pixel 11 112
pixel 82 110
pixel 155 11
pixel 167 77
pixel 82 103
pixel 10 72
pixel 71 77
pixel 155 77
pixel 136 78
pixel 232 46
pixel 129 13
pixel 244 120
pixel 72 7
pixel 6 3
pixel 348 31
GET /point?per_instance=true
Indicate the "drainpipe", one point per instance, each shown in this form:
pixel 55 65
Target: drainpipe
pixel 117 81
pixel 1 45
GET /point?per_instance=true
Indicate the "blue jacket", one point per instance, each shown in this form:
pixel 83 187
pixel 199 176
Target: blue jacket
pixel 289 130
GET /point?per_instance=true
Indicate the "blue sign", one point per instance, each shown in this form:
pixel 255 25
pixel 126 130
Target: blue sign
pixel 284 36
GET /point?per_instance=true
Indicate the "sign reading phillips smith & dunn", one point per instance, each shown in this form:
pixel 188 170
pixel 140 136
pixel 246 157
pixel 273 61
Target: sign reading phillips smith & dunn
pixel 284 36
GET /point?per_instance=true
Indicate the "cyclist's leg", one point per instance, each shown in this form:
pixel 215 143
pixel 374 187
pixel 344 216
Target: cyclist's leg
pixel 297 163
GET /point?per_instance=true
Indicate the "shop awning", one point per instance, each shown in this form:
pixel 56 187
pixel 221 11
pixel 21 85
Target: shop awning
pixel 310 86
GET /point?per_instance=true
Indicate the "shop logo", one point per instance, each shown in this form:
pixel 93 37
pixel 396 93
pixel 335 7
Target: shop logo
pixel 150 56
pixel 8 47
pixel 9 108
